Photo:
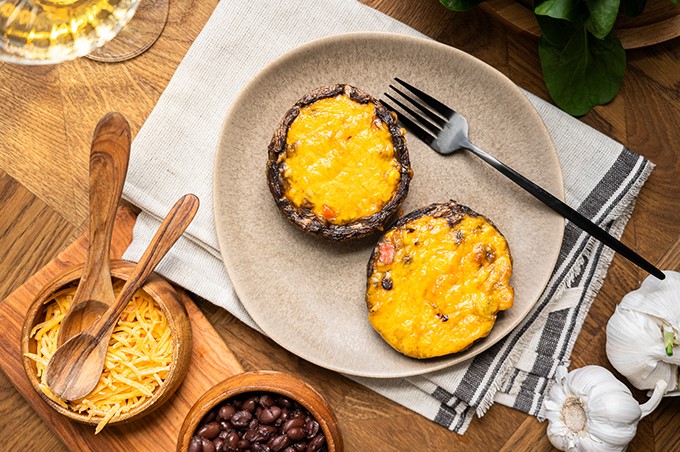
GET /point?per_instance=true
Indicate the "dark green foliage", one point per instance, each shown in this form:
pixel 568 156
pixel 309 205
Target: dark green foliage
pixel 582 60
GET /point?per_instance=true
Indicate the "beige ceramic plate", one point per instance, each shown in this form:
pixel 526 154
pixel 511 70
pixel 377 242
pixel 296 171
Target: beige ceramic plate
pixel 308 294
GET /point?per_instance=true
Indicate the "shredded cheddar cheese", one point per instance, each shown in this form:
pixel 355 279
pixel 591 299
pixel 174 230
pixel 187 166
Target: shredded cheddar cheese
pixel 137 360
pixel 340 159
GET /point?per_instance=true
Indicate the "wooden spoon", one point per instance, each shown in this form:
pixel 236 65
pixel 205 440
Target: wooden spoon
pixel 109 157
pixel 75 368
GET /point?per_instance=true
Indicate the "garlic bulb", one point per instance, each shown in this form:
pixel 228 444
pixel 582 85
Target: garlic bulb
pixel 588 409
pixel 643 333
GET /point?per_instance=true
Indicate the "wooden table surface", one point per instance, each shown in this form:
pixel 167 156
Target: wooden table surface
pixel 47 115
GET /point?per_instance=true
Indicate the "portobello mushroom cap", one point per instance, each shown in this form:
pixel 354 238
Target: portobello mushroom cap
pixel 303 215
pixel 436 280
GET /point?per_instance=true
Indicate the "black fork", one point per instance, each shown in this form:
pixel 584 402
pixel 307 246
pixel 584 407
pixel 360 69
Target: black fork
pixel 446 132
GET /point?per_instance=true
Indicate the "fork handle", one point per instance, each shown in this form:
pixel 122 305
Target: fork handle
pixel 567 212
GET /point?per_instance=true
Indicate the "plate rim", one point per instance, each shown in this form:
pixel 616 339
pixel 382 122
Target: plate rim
pixel 229 266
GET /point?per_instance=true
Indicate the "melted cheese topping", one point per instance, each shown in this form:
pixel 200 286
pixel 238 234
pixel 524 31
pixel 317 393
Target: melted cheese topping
pixel 436 289
pixel 137 360
pixel 340 159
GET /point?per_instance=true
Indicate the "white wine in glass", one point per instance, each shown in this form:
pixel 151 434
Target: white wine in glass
pixel 52 31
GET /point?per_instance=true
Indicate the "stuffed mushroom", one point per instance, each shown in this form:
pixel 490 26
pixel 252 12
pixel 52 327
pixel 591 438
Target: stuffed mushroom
pixel 437 279
pixel 338 166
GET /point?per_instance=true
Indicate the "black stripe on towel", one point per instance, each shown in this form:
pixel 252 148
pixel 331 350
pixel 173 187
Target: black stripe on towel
pixel 483 364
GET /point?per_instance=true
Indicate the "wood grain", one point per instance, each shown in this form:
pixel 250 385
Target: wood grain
pixel 659 22
pixel 109 157
pixel 43 198
pixel 157 430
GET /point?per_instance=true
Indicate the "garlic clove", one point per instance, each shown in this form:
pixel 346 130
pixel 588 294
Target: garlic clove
pixel 657 298
pixel 636 349
pixel 614 405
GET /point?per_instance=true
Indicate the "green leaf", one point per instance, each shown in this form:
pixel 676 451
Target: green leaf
pixel 632 8
pixel 583 72
pixel 460 5
pixel 602 16
pixel 558 32
pixel 559 9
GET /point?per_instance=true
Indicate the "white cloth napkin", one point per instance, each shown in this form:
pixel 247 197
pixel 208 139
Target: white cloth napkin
pixel 174 151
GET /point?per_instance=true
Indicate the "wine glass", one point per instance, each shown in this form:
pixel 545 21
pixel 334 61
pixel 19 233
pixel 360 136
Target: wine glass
pixel 137 35
pixel 52 31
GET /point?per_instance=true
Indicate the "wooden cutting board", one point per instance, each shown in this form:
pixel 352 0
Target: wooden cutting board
pixel 212 361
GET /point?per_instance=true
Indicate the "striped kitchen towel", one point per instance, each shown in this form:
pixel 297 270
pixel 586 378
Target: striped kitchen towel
pixel 174 151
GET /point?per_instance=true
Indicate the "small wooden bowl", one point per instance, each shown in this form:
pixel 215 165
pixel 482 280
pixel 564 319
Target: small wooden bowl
pixel 264 381
pixel 171 305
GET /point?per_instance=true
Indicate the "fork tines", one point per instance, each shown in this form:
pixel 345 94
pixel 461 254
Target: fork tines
pixel 441 108
pixel 438 113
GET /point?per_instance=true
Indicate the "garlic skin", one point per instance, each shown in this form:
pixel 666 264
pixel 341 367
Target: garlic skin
pixel 588 409
pixel 644 329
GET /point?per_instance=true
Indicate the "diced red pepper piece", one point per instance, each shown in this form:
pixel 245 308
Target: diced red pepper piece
pixel 386 252
pixel 328 212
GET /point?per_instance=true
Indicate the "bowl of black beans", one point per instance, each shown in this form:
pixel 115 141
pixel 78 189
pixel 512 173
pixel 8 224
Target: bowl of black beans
pixel 262 411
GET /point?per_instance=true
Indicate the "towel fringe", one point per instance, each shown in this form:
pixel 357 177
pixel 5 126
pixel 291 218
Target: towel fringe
pixel 622 213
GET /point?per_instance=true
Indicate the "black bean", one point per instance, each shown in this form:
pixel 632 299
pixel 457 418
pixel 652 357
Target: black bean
pixel 386 283
pixel 241 418
pixel 269 430
pixel 219 444
pixel 311 428
pixel 208 445
pixel 298 414
pixel 251 404
pixel 284 402
pixel 295 433
pixel 299 447
pixel 285 415
pixel 252 435
pixel 279 442
pixel 226 412
pixel 293 423
pixel 209 431
pixel 260 433
pixel 232 440
pixel 267 400
pixel 195 445
pixel 316 443
pixel 269 414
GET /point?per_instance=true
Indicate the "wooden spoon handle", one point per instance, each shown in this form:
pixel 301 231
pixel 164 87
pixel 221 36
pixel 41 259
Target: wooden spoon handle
pixel 171 229
pixel 109 157
pixel 76 366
